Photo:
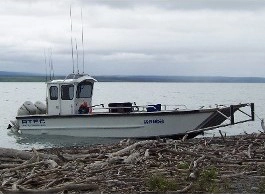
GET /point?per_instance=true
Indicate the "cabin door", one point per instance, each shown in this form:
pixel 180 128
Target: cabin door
pixel 67 99
pixel 53 100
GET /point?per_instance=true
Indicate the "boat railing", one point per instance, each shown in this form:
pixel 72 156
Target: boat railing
pixel 174 106
pixel 149 108
pixel 139 108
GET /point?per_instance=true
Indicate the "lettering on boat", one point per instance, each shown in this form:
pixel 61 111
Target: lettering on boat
pixel 154 121
pixel 33 122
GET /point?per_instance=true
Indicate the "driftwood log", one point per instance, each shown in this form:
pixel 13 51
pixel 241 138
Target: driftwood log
pixel 23 155
pixel 237 162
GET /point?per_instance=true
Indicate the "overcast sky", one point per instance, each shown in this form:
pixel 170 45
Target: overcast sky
pixel 174 37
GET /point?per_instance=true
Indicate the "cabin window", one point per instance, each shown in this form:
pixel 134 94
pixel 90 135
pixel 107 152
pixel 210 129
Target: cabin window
pixel 84 90
pixel 67 92
pixel 54 93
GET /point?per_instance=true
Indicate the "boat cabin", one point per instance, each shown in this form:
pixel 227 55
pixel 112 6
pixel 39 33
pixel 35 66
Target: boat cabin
pixel 73 95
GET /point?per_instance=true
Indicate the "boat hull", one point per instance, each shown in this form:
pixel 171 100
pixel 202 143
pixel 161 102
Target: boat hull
pixel 115 125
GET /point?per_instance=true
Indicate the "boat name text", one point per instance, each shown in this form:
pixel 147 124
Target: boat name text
pixel 154 121
pixel 33 122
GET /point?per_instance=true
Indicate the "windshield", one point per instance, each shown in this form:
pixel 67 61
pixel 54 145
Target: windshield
pixel 84 90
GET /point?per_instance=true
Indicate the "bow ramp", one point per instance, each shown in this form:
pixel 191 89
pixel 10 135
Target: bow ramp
pixel 245 112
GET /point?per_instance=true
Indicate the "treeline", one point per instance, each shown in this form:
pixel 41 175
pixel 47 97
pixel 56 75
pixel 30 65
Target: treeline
pixel 187 79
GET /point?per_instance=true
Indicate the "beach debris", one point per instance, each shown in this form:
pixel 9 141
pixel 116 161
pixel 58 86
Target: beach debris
pixel 208 164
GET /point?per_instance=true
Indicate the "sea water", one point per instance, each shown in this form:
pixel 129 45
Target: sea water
pixel 193 95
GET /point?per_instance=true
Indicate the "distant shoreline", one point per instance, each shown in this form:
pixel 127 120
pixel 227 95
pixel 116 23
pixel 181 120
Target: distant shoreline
pixel 174 79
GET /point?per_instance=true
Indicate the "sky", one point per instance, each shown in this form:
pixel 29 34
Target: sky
pixel 134 37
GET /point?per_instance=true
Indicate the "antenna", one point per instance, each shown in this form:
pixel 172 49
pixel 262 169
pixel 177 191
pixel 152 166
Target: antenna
pixel 46 79
pixel 76 56
pixel 83 41
pixel 50 67
pixel 72 40
pixel 52 70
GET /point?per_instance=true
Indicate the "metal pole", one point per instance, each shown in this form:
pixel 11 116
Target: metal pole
pixel 232 115
pixel 252 111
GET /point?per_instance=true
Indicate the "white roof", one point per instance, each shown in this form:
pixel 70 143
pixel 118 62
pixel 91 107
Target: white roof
pixel 74 78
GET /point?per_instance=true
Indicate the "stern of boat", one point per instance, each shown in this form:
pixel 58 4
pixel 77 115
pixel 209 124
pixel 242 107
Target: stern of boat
pixel 13 126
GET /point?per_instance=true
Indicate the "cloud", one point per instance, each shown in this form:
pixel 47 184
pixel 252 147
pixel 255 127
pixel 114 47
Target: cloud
pixel 179 4
pixel 196 37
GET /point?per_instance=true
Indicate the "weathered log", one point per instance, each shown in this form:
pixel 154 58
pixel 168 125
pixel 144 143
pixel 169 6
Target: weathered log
pixel 132 158
pixel 184 152
pixel 93 172
pixel 22 166
pixel 6 181
pixel 54 182
pixel 196 162
pixel 13 160
pixel 67 187
pixel 2 166
pixel 249 150
pixel 146 153
pixel 6 191
pixel 51 163
pixel 184 190
pixel 131 147
pixel 24 155
pixel 238 174
pixel 213 159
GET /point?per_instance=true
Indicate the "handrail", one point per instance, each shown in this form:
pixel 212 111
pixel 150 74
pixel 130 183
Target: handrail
pixel 143 107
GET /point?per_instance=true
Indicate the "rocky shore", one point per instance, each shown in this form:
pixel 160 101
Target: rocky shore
pixel 212 164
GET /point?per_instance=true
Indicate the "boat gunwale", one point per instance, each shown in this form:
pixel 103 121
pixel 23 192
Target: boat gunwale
pixel 107 114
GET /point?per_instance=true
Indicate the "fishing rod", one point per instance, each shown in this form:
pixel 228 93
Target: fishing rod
pixel 76 56
pixel 46 78
pixel 50 73
pixel 83 41
pixel 72 40
pixel 52 69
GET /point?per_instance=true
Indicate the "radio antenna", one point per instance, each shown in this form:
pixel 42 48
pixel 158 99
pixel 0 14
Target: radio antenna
pixel 83 41
pixel 52 70
pixel 46 79
pixel 76 57
pixel 72 40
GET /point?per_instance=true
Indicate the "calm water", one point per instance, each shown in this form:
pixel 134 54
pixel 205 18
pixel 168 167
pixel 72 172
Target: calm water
pixel 193 95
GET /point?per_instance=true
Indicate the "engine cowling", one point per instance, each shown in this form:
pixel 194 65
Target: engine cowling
pixel 27 108
pixel 41 107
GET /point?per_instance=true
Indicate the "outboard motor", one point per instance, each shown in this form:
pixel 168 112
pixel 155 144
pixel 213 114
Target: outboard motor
pixel 27 108
pixel 41 108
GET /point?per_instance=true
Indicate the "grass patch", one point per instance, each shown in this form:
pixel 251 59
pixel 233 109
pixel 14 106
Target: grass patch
pixel 207 180
pixel 261 188
pixel 160 183
pixel 183 165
